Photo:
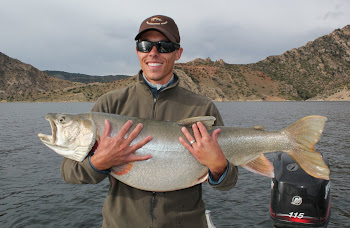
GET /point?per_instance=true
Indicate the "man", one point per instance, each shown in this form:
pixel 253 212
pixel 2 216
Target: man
pixel 158 96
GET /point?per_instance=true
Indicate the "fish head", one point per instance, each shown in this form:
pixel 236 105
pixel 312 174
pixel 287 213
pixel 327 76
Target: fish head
pixel 73 136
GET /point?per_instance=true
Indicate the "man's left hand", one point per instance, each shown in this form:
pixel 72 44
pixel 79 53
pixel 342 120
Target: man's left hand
pixel 205 148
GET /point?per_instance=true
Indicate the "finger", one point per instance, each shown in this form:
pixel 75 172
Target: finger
pixel 134 157
pixel 134 133
pixel 203 130
pixel 106 130
pixel 215 134
pixel 185 144
pixel 187 134
pixel 137 146
pixel 140 144
pixel 196 132
pixel 125 128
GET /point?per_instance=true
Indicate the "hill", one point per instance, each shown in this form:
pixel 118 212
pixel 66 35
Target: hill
pixel 84 78
pixel 22 82
pixel 228 82
pixel 320 70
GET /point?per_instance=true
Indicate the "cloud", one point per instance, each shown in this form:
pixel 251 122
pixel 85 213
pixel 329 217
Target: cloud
pixel 97 37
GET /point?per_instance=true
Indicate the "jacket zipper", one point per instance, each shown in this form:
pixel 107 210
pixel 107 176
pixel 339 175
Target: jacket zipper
pixel 153 198
pixel 154 108
pixel 152 207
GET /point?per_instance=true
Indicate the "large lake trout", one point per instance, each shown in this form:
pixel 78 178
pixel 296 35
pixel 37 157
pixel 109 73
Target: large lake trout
pixel 172 167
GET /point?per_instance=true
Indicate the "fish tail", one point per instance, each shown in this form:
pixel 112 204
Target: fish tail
pixel 304 134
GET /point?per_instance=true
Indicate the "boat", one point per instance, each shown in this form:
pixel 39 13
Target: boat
pixel 298 199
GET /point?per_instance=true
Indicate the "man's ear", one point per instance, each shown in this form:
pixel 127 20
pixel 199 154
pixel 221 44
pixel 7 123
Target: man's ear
pixel 179 53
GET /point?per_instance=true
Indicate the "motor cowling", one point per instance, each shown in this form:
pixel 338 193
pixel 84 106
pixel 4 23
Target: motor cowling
pixel 298 199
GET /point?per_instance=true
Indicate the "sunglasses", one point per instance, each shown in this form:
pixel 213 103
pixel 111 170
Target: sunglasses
pixel 162 46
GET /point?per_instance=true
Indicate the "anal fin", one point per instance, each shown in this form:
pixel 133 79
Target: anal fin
pixel 202 179
pixel 260 165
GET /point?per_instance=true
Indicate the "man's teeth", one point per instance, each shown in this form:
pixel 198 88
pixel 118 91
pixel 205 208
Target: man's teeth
pixel 154 64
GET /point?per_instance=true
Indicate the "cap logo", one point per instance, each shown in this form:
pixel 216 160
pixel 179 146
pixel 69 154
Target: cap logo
pixel 157 21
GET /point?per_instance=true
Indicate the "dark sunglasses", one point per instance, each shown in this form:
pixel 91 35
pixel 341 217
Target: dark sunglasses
pixel 162 46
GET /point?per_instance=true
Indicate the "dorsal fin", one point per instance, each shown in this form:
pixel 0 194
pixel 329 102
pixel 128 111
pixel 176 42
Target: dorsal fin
pixel 259 127
pixel 208 121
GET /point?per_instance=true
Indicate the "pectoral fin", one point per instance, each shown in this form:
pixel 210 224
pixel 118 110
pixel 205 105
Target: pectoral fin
pixel 124 169
pixel 260 165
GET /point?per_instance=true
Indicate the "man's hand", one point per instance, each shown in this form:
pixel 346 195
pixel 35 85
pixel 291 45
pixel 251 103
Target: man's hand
pixel 205 149
pixel 116 151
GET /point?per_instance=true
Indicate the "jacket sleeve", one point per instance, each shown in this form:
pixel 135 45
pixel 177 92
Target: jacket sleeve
pixel 80 172
pixel 228 180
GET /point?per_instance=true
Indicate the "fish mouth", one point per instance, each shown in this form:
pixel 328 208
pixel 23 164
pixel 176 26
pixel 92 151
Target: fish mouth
pixel 49 139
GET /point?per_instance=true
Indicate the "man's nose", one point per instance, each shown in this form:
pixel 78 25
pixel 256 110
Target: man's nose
pixel 154 50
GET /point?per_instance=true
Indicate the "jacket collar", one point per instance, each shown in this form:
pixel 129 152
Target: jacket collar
pixel 158 87
pixel 176 81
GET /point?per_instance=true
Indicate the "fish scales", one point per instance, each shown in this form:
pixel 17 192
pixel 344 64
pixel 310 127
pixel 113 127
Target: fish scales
pixel 172 167
pixel 235 140
pixel 161 170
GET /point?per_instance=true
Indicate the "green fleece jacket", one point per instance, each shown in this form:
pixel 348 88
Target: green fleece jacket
pixel 126 206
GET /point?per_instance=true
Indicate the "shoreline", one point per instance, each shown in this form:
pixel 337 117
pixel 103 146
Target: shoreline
pixel 220 101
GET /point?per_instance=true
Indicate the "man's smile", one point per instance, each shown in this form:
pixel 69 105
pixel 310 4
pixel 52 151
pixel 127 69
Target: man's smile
pixel 154 64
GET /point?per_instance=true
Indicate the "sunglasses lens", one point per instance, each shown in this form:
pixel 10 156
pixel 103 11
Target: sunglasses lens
pixel 162 46
pixel 165 47
pixel 144 46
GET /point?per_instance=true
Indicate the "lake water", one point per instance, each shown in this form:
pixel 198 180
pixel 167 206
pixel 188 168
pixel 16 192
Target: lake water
pixel 32 193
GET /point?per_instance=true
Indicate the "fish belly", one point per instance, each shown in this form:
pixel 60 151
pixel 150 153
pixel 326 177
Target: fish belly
pixel 171 167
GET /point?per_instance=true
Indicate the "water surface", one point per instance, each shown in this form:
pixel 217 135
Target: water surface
pixel 32 193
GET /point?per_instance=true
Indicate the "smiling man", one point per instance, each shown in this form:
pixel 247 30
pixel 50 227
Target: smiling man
pixel 157 95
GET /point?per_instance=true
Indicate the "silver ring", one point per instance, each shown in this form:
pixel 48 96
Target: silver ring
pixel 193 141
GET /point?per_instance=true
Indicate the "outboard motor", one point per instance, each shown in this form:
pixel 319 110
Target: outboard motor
pixel 298 199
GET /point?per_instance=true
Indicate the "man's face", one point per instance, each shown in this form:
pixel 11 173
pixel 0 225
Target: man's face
pixel 157 67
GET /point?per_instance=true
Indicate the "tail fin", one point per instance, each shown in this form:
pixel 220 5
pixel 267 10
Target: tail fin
pixel 304 134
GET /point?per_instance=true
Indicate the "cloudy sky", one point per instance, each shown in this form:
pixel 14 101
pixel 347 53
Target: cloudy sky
pixel 97 37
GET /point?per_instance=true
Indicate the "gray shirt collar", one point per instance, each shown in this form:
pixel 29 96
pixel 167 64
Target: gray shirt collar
pixel 158 87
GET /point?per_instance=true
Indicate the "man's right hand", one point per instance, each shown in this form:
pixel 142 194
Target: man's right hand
pixel 116 151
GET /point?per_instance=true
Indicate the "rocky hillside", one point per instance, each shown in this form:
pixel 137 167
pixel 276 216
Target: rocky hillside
pixel 84 78
pixel 22 81
pixel 320 70
pixel 226 82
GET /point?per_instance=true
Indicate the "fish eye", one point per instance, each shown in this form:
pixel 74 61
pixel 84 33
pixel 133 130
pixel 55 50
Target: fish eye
pixel 62 120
